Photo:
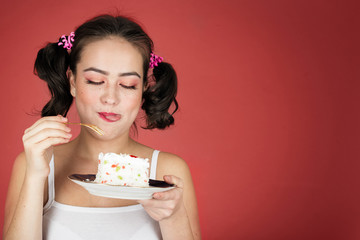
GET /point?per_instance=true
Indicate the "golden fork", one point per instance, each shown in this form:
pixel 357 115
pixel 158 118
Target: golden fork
pixel 92 127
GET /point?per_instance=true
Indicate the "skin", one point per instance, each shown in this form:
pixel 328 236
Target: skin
pixel 176 209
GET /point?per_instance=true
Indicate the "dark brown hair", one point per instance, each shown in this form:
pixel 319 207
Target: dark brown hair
pixel 53 61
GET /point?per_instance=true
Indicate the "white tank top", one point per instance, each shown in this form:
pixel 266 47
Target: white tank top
pixel 61 221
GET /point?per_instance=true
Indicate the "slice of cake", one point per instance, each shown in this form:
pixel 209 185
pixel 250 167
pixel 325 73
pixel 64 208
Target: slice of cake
pixel 123 169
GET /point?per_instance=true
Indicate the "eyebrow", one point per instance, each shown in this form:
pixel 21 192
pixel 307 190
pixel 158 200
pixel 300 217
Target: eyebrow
pixel 107 73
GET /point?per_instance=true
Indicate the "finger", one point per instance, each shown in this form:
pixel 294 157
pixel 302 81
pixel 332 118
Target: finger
pixel 178 182
pixel 143 201
pixel 57 118
pixel 41 120
pixel 48 133
pixel 46 121
pixel 47 143
pixel 156 204
pixel 150 203
pixel 172 194
pixel 51 142
pixel 46 125
pixel 43 125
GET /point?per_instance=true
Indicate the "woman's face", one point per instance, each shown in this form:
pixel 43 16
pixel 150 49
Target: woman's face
pixel 108 85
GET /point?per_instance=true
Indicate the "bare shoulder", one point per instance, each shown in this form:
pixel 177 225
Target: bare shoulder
pixel 172 164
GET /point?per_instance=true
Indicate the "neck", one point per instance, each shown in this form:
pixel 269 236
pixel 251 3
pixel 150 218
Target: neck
pixel 87 146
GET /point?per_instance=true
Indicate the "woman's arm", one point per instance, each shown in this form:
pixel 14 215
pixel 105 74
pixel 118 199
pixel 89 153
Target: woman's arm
pixel 25 199
pixel 176 209
pixel 24 204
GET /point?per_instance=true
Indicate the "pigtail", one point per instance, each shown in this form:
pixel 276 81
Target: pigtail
pixel 51 65
pixel 159 97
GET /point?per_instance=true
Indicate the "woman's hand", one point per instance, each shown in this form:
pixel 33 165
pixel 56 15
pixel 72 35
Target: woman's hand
pixel 163 205
pixel 38 141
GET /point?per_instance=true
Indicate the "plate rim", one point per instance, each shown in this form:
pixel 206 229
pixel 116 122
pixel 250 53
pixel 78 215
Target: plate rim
pixel 152 182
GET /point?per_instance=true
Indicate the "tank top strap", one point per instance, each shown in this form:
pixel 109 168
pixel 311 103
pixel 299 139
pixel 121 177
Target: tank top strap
pixel 51 186
pixel 154 159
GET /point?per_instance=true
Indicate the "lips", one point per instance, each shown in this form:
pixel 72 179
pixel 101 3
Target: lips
pixel 109 117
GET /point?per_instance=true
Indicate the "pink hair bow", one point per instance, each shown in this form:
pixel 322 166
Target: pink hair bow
pixel 155 60
pixel 67 41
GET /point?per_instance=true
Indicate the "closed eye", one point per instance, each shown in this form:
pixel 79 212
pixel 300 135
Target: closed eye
pixel 94 83
pixel 128 87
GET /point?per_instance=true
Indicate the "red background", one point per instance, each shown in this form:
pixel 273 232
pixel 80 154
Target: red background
pixel 268 93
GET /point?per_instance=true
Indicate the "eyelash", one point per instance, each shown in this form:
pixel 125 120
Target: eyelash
pixel 99 83
pixel 128 87
pixel 94 83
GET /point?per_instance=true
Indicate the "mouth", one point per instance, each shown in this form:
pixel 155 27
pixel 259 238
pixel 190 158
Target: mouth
pixel 109 117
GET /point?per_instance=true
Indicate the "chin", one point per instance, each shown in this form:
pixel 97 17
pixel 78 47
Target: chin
pixel 112 134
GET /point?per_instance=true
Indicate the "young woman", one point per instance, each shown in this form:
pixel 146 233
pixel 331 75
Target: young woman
pixel 109 68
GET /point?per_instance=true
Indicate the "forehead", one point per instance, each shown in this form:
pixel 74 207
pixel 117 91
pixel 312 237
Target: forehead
pixel 111 54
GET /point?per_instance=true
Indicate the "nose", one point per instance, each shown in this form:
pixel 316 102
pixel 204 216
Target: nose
pixel 110 96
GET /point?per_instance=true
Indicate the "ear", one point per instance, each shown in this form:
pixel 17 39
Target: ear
pixel 72 83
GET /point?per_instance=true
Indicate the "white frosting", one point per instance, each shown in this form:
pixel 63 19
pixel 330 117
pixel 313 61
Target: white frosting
pixel 122 169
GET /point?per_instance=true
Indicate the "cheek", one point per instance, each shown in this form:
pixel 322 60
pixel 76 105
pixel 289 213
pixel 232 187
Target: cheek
pixel 86 97
pixel 132 101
